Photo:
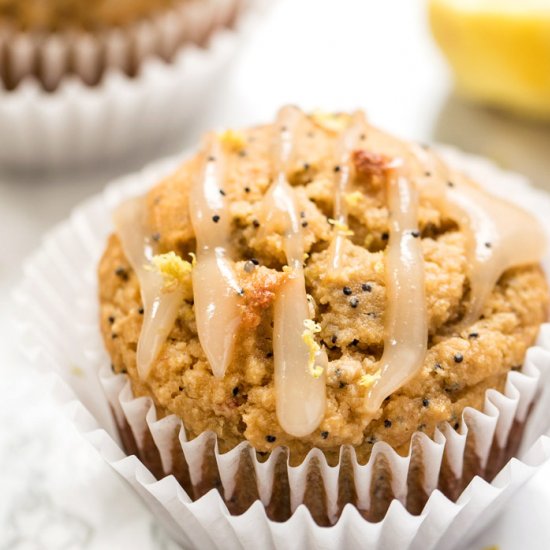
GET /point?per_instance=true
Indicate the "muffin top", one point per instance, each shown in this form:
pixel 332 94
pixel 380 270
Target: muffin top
pixel 317 282
pixel 55 15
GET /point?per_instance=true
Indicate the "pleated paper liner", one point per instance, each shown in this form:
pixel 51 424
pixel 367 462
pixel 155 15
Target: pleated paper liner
pixel 233 500
pixel 486 442
pixel 51 57
pixel 115 95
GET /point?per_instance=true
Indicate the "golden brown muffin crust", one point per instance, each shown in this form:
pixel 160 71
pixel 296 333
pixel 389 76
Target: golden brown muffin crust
pixel 55 15
pixel 349 305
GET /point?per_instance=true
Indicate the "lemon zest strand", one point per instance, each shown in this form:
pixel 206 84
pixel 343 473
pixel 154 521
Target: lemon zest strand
pixel 308 336
pixel 174 269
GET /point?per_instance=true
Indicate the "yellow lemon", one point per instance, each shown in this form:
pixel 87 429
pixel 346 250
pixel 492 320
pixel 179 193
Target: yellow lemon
pixel 499 50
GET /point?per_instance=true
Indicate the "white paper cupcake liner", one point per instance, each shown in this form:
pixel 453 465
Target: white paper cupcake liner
pixel 58 303
pixel 50 57
pixel 79 124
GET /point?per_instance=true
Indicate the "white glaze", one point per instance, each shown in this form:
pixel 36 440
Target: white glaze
pixel 406 319
pixel 160 306
pixel 346 145
pixel 499 234
pixel 300 397
pixel 215 286
pixel 502 236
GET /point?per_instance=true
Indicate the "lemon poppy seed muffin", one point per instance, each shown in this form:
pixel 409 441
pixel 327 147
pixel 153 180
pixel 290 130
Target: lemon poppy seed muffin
pixel 413 311
pixel 55 15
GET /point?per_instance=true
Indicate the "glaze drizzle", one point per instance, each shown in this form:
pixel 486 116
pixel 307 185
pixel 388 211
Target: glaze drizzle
pixel 499 234
pixel 300 396
pixel 502 236
pixel 346 145
pixel 406 317
pixel 215 286
pixel 160 306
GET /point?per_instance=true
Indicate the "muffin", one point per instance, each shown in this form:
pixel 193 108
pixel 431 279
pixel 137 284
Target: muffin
pixel 55 15
pixel 319 286
pixel 52 39
pixel 92 82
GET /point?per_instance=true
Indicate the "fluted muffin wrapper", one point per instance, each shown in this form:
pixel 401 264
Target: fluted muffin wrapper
pixel 129 89
pixel 49 57
pixel 427 499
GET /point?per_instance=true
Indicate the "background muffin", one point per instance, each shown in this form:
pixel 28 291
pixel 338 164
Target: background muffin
pixel 349 306
pixel 87 83
pixel 56 38
pixel 55 15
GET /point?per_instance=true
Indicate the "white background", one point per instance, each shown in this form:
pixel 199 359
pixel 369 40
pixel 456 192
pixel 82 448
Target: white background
pixel 55 492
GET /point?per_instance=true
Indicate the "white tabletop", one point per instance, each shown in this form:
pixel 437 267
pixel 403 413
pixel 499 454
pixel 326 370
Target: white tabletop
pixel 330 54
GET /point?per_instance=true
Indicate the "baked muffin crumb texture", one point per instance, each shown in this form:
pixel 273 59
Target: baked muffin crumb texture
pixel 349 304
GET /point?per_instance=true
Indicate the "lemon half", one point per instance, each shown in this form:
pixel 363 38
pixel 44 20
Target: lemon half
pixel 499 50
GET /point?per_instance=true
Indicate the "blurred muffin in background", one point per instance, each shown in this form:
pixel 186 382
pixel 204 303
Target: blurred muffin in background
pixel 84 82
pixel 50 39
pixel 261 294
pixel 498 50
pixel 54 15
